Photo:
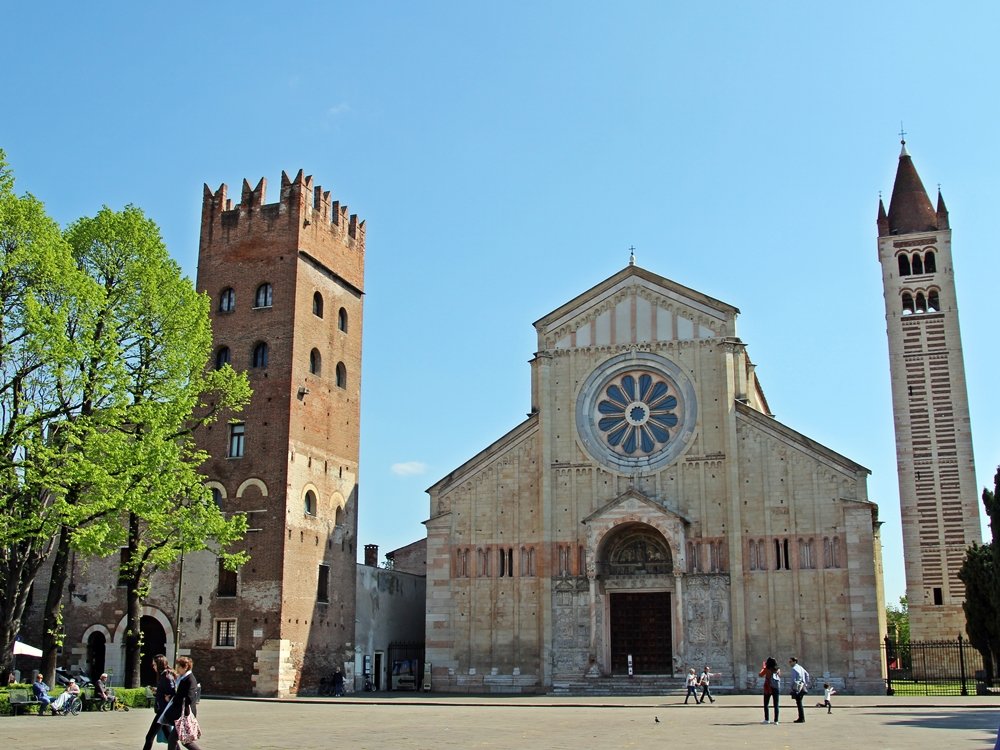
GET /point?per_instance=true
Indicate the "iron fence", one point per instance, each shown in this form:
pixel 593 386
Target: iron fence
pixel 937 668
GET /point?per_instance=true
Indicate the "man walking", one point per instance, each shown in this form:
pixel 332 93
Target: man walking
pixel 800 686
pixel 706 681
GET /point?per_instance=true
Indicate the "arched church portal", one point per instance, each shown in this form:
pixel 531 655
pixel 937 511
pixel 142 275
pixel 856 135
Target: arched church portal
pixel 636 567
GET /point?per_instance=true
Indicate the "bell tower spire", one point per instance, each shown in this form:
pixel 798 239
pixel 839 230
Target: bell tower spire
pixel 939 506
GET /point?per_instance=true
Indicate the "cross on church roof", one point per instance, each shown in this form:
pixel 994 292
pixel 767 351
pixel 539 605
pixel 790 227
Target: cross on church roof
pixel 631 255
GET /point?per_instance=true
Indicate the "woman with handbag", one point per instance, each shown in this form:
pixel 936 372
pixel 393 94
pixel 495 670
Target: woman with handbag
pixel 772 686
pixel 180 715
pixel 164 692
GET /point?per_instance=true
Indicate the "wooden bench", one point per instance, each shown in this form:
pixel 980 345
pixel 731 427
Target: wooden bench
pixel 19 698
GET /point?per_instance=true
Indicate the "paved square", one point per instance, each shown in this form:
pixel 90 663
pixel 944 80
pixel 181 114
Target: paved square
pixel 537 723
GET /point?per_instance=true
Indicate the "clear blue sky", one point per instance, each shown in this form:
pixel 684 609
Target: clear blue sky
pixel 505 157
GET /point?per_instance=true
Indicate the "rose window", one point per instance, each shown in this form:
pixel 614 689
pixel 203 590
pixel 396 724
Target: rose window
pixel 637 413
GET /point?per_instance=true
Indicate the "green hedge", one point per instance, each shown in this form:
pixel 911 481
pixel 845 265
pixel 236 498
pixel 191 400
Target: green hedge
pixel 131 697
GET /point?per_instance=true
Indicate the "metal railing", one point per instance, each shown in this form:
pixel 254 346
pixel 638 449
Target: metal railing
pixel 937 668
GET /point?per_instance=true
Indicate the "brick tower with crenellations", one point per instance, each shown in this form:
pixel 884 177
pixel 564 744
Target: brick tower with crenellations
pixel 286 281
pixel 938 497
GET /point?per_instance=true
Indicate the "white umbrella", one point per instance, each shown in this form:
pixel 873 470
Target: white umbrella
pixel 25 649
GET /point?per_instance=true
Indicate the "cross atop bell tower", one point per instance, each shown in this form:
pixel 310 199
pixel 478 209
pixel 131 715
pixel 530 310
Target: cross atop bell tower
pixel 938 497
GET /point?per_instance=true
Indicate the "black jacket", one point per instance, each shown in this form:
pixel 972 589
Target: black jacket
pixel 184 697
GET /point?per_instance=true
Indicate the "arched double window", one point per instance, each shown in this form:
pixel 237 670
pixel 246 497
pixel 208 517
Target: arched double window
pixel 263 296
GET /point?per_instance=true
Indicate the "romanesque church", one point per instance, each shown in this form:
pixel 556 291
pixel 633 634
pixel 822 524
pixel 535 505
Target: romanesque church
pixel 649 515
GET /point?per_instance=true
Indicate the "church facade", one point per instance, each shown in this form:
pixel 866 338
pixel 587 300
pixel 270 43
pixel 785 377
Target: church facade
pixel 649 515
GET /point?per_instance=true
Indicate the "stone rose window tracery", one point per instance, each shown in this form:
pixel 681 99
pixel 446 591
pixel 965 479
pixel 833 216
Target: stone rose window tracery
pixel 637 413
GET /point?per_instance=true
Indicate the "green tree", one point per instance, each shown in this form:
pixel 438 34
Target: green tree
pixel 979 573
pixel 40 291
pixel 898 621
pixel 150 342
pixel 103 354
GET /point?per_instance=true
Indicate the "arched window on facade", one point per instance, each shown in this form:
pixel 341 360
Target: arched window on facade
pixel 933 301
pixel 310 503
pixel 921 303
pixel 318 305
pixel 260 354
pixel 930 264
pixel 781 554
pixel 315 362
pixel 907 303
pixel 806 554
pixel 341 375
pixel 694 551
pixel 484 562
pixel 342 320
pixel 918 264
pixel 263 296
pixel 904 264
pixel 227 300
pixel 222 357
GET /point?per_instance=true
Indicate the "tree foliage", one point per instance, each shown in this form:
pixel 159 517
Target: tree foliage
pixel 898 621
pixel 980 573
pixel 104 350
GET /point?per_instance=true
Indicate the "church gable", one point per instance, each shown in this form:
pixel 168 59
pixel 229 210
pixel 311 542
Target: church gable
pixel 635 307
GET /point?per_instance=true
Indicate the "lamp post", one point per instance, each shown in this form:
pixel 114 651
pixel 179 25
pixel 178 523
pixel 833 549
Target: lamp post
pixel 177 614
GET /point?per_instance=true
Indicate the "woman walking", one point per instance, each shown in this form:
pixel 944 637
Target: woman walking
pixel 183 703
pixel 164 692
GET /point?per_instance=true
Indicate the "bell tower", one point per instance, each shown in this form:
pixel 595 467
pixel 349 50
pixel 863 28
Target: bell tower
pixel 938 496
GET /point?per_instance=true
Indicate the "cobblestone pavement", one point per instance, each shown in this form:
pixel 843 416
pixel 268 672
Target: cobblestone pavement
pixel 437 722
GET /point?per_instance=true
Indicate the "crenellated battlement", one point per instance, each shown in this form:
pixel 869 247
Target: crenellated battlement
pixel 299 199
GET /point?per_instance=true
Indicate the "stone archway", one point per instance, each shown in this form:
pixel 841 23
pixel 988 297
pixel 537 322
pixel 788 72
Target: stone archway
pixel 635 565
pixel 154 641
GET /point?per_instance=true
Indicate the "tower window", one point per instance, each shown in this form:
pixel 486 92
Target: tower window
pixel 921 303
pixel 938 596
pixel 323 584
pixel 310 503
pixel 341 375
pixel 918 264
pixel 227 581
pixel 259 358
pixel 263 296
pixel 930 265
pixel 315 362
pixel 318 305
pixel 227 300
pixel 222 357
pixel 904 265
pixel 933 301
pixel 907 303
pixel 342 320
pixel 225 633
pixel 237 433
